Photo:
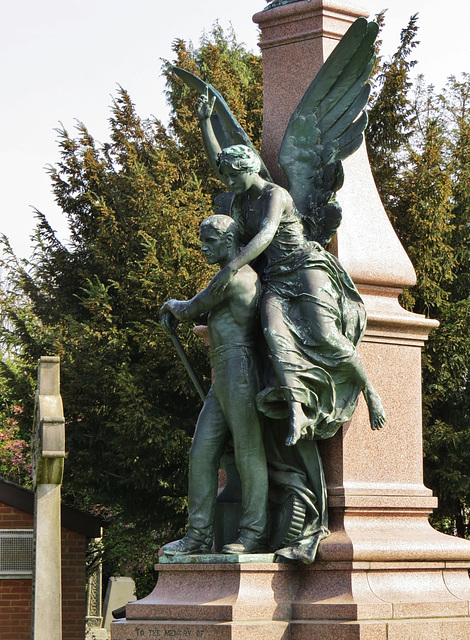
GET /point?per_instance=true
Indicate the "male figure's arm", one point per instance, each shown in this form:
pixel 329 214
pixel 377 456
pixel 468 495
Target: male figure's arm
pixel 202 303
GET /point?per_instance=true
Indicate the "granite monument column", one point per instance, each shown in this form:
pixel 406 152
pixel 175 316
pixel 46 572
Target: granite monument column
pixel 383 559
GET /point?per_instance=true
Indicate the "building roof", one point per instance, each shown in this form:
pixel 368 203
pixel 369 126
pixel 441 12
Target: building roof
pixel 72 519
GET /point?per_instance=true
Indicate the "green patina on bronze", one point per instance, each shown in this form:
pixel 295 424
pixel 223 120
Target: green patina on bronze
pixel 229 411
pixel 311 315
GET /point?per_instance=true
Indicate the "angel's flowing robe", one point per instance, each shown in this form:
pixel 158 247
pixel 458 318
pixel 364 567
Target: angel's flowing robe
pixel 311 323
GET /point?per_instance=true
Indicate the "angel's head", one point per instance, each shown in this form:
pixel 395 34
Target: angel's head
pixel 239 164
pixel 239 157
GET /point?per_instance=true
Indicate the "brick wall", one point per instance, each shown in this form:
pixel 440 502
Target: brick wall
pixel 16 595
pixel 11 518
pixel 73 585
pixel 15 609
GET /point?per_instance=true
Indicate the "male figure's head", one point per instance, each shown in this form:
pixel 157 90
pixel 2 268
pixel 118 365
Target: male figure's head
pixel 219 238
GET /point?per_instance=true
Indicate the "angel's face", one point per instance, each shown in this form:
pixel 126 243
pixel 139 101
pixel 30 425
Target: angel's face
pixel 238 181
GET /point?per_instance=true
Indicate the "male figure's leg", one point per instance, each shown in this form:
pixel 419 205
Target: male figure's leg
pixel 236 385
pixel 209 442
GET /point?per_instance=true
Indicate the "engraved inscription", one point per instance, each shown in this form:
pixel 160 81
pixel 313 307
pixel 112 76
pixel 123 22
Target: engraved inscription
pixel 150 634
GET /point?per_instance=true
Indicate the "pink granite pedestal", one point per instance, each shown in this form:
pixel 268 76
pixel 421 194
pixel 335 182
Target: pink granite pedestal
pixel 214 602
pixel 325 601
pixel 384 573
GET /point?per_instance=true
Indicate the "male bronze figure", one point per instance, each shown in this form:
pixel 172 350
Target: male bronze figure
pixel 229 411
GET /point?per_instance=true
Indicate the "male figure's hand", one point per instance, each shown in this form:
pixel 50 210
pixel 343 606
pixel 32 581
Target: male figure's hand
pixel 168 315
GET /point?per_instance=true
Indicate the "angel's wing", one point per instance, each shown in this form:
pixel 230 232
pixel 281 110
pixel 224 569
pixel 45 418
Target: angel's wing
pixel 226 127
pixel 327 127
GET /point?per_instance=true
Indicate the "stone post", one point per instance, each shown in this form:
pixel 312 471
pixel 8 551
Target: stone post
pixel 48 445
pixel 94 615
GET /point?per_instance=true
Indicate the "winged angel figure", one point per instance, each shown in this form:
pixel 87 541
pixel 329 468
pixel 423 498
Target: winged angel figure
pixel 311 313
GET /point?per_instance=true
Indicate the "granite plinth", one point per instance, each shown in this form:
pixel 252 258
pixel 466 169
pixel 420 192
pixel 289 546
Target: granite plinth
pixel 145 630
pixel 437 629
pixel 432 629
pixel 382 591
pixel 218 592
pixel 332 600
pixel 214 602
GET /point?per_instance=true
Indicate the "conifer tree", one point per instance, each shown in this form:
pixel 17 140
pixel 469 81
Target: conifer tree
pixel 133 206
pixel 391 116
pixel 419 148
pixel 446 374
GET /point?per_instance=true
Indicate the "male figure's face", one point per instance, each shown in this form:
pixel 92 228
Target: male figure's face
pixel 214 245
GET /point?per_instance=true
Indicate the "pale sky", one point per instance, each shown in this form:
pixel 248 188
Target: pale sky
pixel 61 61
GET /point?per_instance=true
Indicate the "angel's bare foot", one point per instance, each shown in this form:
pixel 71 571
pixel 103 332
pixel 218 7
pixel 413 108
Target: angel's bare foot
pixel 298 421
pixel 375 406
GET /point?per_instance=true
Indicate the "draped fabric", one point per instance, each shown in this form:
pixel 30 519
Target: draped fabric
pixel 297 470
pixel 312 318
pixel 319 369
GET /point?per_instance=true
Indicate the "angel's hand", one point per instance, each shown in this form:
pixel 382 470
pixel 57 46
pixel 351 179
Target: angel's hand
pixel 221 280
pixel 204 107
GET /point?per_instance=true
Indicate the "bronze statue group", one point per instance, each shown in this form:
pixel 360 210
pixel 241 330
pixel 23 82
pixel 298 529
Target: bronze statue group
pixel 284 318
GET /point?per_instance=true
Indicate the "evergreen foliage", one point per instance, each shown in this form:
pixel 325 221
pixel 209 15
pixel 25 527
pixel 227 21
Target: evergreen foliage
pixel 133 207
pixel 418 143
pixel 391 117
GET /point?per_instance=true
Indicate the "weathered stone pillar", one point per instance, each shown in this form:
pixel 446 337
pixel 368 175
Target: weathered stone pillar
pixel 48 445
pixel 94 629
pixel 383 560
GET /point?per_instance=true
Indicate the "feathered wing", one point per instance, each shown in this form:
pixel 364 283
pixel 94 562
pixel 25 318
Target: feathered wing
pixel 327 127
pixel 226 127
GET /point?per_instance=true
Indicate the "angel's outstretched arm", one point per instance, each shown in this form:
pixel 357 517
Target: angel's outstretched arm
pixel 275 202
pixel 274 205
pixel 220 129
pixel 204 109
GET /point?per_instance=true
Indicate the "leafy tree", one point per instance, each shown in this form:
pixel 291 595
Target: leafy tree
pixel 15 458
pixel 16 397
pixel 133 207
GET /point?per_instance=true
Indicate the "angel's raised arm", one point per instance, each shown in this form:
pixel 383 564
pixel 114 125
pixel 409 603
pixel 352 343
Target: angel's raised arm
pixel 204 108
pixel 220 128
